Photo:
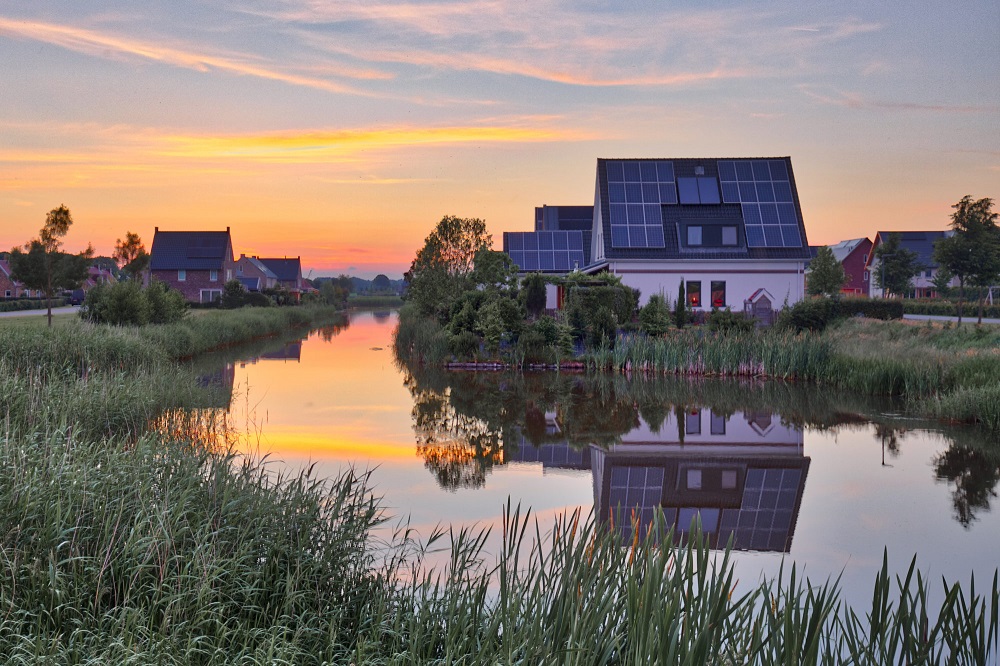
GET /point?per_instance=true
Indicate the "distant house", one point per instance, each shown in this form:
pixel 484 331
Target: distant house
pixel 853 255
pixel 289 273
pixel 195 263
pixel 97 275
pixel 919 242
pixel 731 229
pixel 254 275
pixel 11 288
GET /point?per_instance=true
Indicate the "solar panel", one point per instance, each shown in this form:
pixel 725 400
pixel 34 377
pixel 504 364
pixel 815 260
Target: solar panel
pixel 636 191
pixel 765 192
pixel 545 250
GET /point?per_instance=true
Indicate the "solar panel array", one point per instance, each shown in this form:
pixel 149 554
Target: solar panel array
pixel 764 190
pixel 637 489
pixel 636 192
pixel 764 519
pixel 545 250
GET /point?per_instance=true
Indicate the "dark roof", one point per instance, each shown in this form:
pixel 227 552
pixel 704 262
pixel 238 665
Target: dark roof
pixel 718 207
pixel 284 268
pixel 190 250
pixel 920 242
pixel 564 218
pixel 250 283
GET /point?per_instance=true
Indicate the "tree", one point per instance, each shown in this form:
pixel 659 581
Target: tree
pixel 381 284
pixel 533 291
pixel 680 311
pixel 440 271
pixel 131 255
pixel 494 271
pixel 43 266
pixel 896 266
pixel 826 274
pixel 654 317
pixel 972 253
pixel 942 280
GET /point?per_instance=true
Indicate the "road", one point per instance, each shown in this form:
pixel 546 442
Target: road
pixel 69 309
pixel 966 319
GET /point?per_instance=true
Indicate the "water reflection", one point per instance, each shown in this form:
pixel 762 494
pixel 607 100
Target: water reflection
pixel 730 453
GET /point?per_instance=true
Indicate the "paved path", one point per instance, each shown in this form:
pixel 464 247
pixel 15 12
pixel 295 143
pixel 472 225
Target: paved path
pixel 69 309
pixel 966 318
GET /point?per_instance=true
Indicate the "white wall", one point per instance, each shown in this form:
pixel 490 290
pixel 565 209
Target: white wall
pixel 782 279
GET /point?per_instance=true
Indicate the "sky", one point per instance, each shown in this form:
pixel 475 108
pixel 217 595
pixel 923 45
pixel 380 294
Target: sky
pixel 343 131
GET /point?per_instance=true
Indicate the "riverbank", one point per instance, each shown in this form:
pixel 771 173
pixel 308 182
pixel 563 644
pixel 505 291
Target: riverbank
pixel 158 545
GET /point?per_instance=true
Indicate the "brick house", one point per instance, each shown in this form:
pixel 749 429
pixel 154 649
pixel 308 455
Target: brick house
pixel 254 275
pixel 853 255
pixel 195 263
pixel 11 288
pixel 288 272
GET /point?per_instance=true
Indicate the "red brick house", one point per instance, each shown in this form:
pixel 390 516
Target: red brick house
pixel 11 288
pixel 196 263
pixel 853 255
pixel 254 275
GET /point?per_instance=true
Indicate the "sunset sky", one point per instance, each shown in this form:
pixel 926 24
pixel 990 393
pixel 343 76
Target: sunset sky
pixel 343 131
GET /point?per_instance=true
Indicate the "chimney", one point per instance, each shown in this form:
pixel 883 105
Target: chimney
pixel 227 230
pixel 156 230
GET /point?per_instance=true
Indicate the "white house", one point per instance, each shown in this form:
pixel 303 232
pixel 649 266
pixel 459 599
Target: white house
pixel 731 228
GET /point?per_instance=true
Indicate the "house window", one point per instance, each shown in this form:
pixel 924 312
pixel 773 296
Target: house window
pixel 729 236
pixel 700 190
pixel 867 276
pixel 692 422
pixel 694 294
pixel 7 294
pixel 213 276
pixel 181 275
pixel 210 295
pixel 694 479
pixel 694 235
pixel 718 294
pixel 229 274
pixel 729 479
pixel 718 424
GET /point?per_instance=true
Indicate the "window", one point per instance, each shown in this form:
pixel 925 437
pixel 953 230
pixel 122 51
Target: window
pixel 229 274
pixel 728 479
pixel 718 424
pixel 694 235
pixel 213 276
pixel 694 294
pixel 692 422
pixel 699 190
pixel 694 479
pixel 7 294
pixel 867 276
pixel 210 295
pixel 181 275
pixel 729 236
pixel 718 294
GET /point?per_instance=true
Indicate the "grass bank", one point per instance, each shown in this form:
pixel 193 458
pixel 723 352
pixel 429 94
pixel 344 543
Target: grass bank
pixel 124 541
pixel 940 371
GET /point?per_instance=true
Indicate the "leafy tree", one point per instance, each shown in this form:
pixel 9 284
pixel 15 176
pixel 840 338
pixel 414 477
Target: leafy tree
pixel 128 304
pixel 233 295
pixel 972 254
pixel 680 310
pixel 942 280
pixel 494 272
pixel 533 291
pixel 130 253
pixel 896 266
pixel 381 283
pixel 826 274
pixel 440 271
pixel 43 266
pixel 654 317
pixel 332 292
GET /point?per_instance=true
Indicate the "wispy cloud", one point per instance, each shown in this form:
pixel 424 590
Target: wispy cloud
pixel 109 46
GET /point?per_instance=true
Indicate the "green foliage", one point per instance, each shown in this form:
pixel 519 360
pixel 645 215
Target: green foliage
pixel 826 275
pixel 491 324
pixel 654 317
pixel 727 321
pixel 607 291
pixel 128 304
pixel 494 272
pixel 896 266
pixel 464 345
pixel 972 254
pixel 440 271
pixel 545 341
pixel 332 292
pixel 680 308
pixel 381 284
pixel 533 293
pixel 419 338
pixel 130 255
pixel 233 295
pixel 603 329
pixel 22 304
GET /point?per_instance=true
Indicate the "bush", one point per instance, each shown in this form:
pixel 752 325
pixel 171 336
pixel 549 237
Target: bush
pixel 128 304
pixel 533 293
pixel 873 308
pixel 603 327
pixel 810 314
pixel 727 321
pixel 29 304
pixel 654 317
pixel 464 345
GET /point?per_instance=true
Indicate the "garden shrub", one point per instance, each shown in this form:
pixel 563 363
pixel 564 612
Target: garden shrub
pixel 727 321
pixel 654 316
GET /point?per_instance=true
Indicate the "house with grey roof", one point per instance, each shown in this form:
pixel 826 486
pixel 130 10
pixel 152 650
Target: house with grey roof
pixel 922 244
pixel 288 271
pixel 195 263
pixel 730 228
pixel 853 255
pixel 254 275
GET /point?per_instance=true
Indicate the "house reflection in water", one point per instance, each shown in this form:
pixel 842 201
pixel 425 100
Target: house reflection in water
pixel 290 351
pixel 743 474
pixel 220 383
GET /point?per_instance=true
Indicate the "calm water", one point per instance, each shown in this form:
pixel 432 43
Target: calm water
pixel 790 473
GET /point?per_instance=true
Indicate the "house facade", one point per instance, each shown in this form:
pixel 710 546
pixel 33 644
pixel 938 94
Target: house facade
pixel 254 275
pixel 922 244
pixel 195 263
pixel 853 255
pixel 288 271
pixel 731 229
pixel 11 288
